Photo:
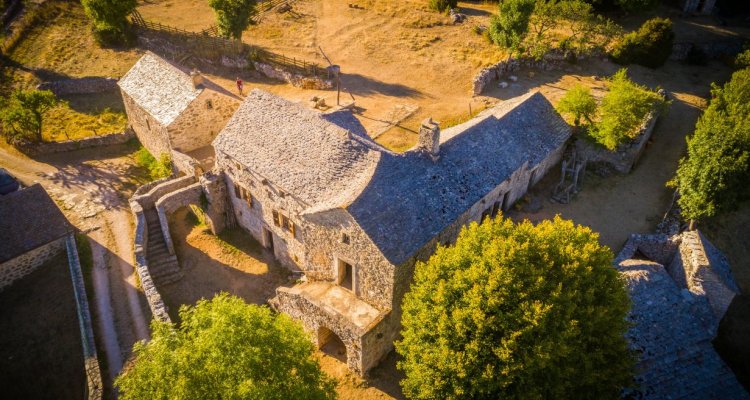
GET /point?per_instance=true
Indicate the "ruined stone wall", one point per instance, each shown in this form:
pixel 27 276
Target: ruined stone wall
pixel 152 135
pixel 296 80
pixel 76 144
pixel 24 264
pixel 87 85
pixel 493 73
pixel 204 118
pixel 624 158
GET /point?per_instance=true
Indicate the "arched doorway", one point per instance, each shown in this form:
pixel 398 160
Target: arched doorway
pixel 331 344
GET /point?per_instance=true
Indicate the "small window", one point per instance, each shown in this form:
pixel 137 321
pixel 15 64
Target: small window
pixel 346 275
pixel 295 258
pixel 209 104
pixel 344 238
pixel 237 191
pixel 276 218
pixel 148 124
pixel 291 227
pixel 282 193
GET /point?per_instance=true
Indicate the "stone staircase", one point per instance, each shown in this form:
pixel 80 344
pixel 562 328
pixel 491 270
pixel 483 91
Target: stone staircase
pixel 162 266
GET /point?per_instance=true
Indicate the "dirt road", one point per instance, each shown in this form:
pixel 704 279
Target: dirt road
pixel 91 186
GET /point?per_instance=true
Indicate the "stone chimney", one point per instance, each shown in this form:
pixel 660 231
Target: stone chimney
pixel 429 138
pixel 197 79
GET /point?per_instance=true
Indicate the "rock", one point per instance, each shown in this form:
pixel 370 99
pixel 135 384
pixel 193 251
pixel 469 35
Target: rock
pixel 502 84
pixel 284 8
pixel 321 103
pixel 234 62
pixel 513 78
pixel 532 74
pixel 457 17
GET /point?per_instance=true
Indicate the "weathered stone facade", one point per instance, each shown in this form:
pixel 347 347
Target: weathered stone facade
pixel 316 204
pixel 24 264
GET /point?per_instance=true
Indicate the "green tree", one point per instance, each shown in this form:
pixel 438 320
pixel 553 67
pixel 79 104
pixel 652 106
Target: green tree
pixel 233 16
pixel 578 102
pixel 649 46
pixel 713 176
pixel 509 27
pixel 226 349
pixel 636 6
pixel 623 110
pixel 516 312
pixel 743 59
pixel 22 115
pixel 110 18
pixel 443 5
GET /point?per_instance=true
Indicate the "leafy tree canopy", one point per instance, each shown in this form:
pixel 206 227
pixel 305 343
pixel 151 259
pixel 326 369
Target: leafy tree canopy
pixel 110 18
pixel 516 312
pixel 509 27
pixel 226 349
pixel 22 115
pixel 714 174
pixel 578 102
pixel 649 46
pixel 442 5
pixel 233 16
pixel 623 110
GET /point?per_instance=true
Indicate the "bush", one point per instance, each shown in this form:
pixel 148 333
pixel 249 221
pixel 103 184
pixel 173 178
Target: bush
pixel 713 176
pixel 578 102
pixel 156 169
pixel 233 16
pixel 516 312
pixel 623 110
pixel 226 349
pixel 443 5
pixel 110 19
pixel 509 27
pixel 22 115
pixel 649 46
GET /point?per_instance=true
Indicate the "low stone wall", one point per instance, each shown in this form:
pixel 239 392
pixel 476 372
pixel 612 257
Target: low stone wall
pixel 486 76
pixel 90 358
pixel 296 80
pixel 17 268
pixel 169 203
pixel 155 302
pixel 87 85
pixel 71 145
pixel 147 195
pixel 712 50
pixel 624 158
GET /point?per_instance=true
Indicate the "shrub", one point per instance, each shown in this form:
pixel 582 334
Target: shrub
pixel 233 16
pixel 578 102
pixel 623 110
pixel 23 114
pixel 649 46
pixel 743 59
pixel 713 176
pixel 157 169
pixel 509 27
pixel 516 312
pixel 110 18
pixel 226 349
pixel 443 5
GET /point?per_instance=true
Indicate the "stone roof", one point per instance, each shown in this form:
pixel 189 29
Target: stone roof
pixel 160 88
pixel 672 335
pixel 297 149
pixel 410 199
pixel 29 219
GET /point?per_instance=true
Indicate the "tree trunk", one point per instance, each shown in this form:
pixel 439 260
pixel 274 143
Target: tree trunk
pixel 691 225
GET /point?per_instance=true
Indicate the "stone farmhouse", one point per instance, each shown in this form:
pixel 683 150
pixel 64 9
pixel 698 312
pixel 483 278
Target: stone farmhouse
pixel 32 231
pixel 354 218
pixel 175 112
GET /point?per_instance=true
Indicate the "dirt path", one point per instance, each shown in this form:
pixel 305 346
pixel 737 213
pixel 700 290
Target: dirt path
pixel 91 187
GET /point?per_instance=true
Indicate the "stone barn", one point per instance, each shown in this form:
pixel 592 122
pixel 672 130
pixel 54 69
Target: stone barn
pixel 353 217
pixel 32 231
pixel 174 111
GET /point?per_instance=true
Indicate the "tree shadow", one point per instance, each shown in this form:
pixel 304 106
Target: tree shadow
pixel 367 86
pixel 95 103
pixel 474 12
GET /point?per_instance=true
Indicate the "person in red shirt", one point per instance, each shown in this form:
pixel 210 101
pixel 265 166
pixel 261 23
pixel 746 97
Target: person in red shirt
pixel 239 85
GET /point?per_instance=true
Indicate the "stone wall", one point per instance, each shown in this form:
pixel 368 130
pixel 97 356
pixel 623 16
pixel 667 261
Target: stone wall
pixel 24 264
pixel 486 76
pixel 184 164
pixel 147 195
pixel 87 85
pixel 152 135
pixel 296 80
pixel 204 118
pixel 170 202
pixel 90 357
pixel 72 145
pixel 713 50
pixel 624 158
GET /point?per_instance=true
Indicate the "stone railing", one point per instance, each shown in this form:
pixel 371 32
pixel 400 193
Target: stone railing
pixel 168 203
pixel 77 144
pixel 90 358
pixel 145 198
pixel 624 158
pixel 87 85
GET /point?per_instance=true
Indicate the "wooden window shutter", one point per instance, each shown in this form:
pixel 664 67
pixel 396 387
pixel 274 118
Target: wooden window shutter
pixel 249 199
pixel 276 218
pixel 291 226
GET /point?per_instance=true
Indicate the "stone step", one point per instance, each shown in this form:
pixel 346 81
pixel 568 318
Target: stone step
pixel 160 259
pixel 168 280
pixel 157 248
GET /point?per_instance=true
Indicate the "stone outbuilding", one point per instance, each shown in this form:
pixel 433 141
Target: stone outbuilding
pixel 175 111
pixel 680 287
pixel 32 231
pixel 353 218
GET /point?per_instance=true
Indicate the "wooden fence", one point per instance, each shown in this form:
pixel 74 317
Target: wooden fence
pixel 208 42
